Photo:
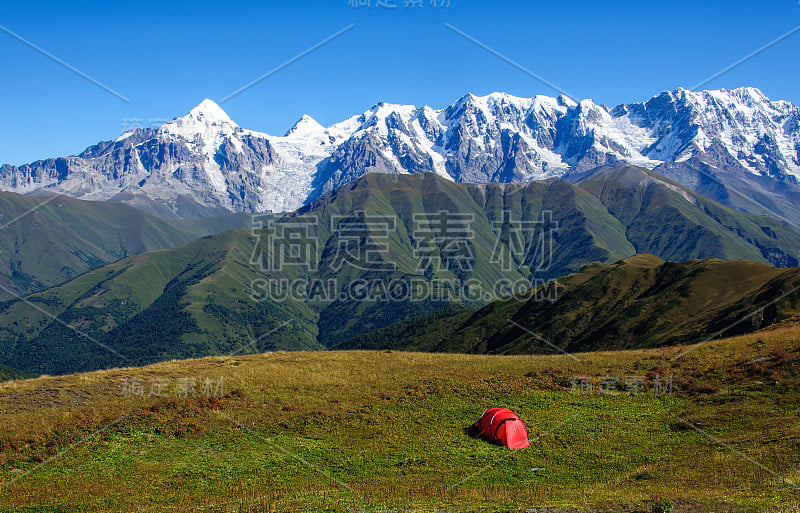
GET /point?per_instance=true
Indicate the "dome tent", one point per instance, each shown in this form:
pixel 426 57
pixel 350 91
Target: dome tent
pixel 501 426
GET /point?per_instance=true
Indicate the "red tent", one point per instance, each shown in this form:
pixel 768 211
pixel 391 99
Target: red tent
pixel 503 426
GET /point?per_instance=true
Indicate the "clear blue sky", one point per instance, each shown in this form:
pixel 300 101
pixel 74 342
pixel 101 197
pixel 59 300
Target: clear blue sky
pixel 166 57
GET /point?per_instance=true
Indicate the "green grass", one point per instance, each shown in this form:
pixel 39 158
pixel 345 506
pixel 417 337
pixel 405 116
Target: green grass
pixel 51 242
pixel 202 290
pixel 8 373
pixel 639 302
pixel 665 218
pixel 373 431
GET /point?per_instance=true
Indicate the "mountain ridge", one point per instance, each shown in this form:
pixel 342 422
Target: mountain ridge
pixel 724 144
pixel 639 302
pixel 370 253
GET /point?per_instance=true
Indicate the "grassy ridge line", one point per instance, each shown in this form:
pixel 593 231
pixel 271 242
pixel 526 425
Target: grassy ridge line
pixel 389 426
pixel 641 301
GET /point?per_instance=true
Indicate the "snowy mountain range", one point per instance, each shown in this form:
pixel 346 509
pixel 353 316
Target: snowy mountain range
pixel 737 147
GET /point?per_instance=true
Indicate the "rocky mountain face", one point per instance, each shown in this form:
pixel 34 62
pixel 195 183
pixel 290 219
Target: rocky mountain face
pixel 737 147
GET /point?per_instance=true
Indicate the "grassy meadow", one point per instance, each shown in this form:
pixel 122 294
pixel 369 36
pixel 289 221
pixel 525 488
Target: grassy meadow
pixel 383 431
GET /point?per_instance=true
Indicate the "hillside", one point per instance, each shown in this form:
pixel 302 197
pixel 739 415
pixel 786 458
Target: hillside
pixel 639 302
pixel 8 373
pixel 664 218
pixel 150 307
pixel 382 249
pixel 367 431
pixel 46 241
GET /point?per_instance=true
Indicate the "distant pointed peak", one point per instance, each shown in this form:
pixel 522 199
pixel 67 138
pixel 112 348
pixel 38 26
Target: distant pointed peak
pixel 210 112
pixel 566 101
pixel 305 125
pixel 384 106
pixel 474 99
pixel 467 98
pixel 383 110
pixel 206 116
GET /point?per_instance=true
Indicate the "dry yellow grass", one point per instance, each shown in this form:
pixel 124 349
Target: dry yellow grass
pixel 345 431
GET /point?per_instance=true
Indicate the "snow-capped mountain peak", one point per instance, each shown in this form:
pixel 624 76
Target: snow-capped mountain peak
pixel 383 110
pixel 207 121
pixel 304 126
pixel 497 137
pixel 209 112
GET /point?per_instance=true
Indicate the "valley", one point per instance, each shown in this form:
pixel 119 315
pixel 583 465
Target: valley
pixel 387 248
